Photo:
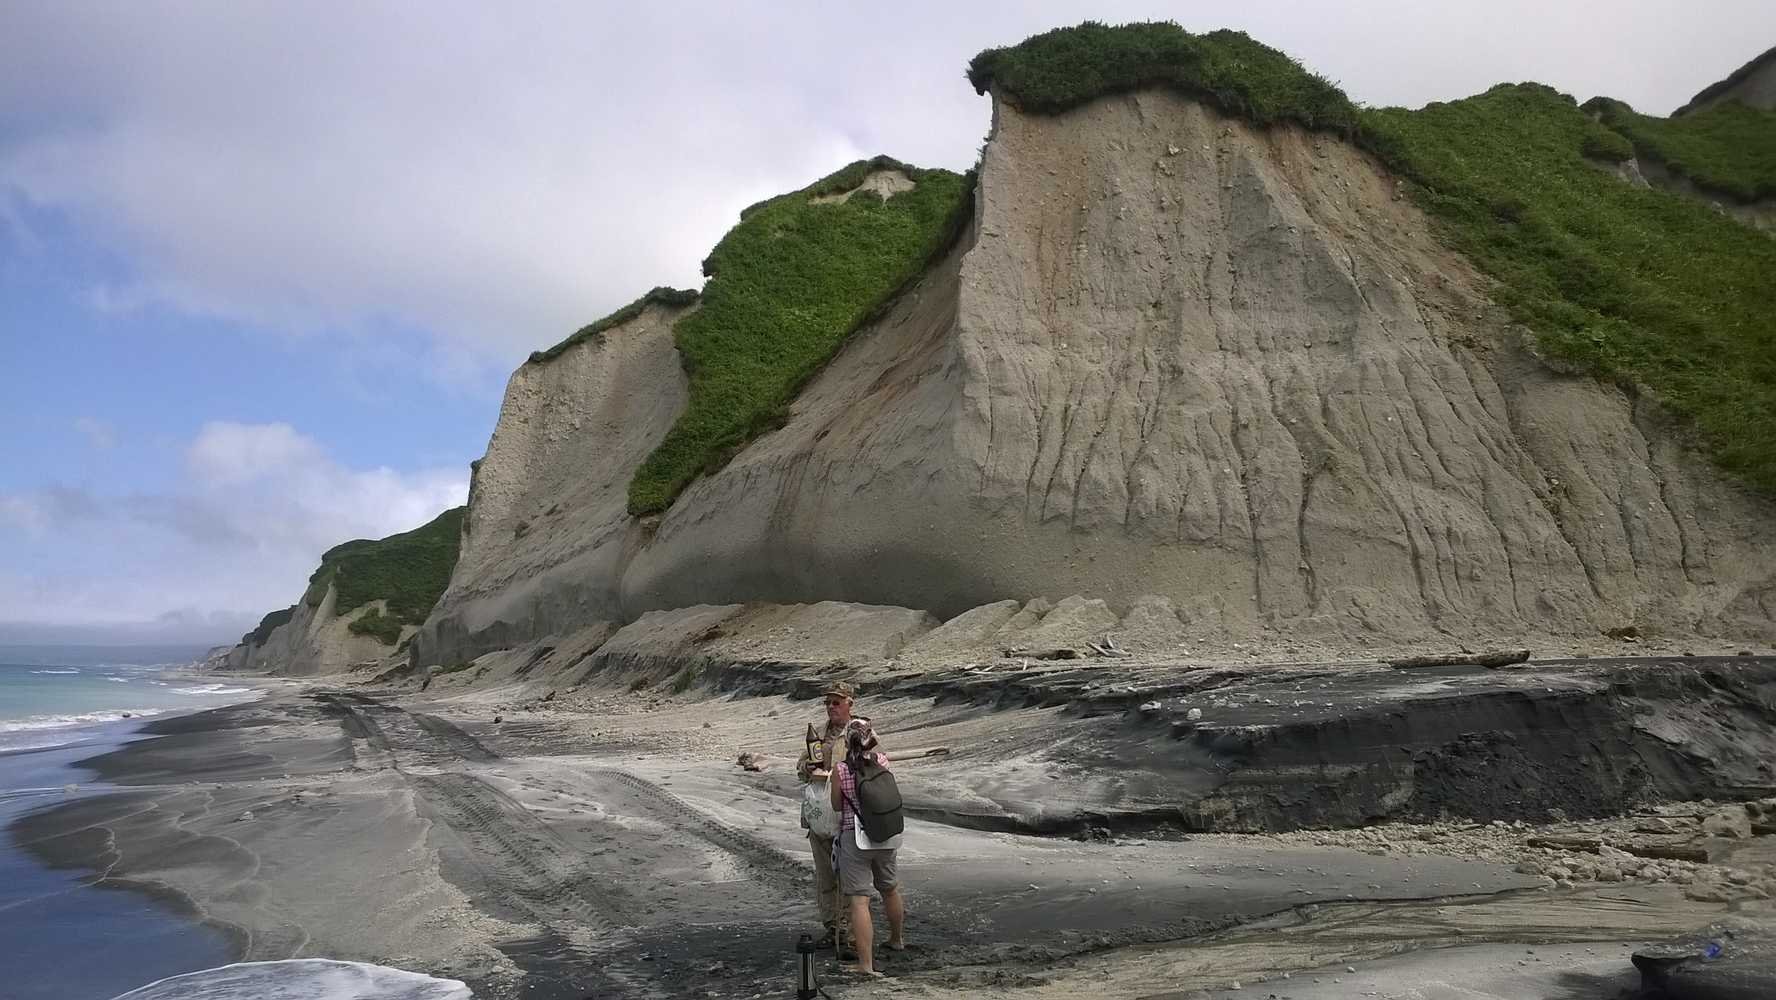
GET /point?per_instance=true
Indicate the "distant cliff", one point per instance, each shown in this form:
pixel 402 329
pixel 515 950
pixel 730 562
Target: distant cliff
pixel 363 602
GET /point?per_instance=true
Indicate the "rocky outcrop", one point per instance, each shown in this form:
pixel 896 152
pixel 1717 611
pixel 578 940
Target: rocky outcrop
pixel 1174 355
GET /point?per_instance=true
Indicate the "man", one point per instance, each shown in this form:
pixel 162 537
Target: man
pixel 825 740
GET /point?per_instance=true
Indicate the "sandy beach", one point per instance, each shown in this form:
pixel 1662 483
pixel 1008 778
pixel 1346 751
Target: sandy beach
pixel 612 847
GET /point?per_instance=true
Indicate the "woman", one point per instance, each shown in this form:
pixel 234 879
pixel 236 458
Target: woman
pixel 859 869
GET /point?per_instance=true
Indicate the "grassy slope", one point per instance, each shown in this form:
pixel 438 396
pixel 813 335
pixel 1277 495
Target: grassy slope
pixel 1728 148
pixel 786 287
pixel 262 632
pixel 409 570
pixel 1637 286
pixel 1064 68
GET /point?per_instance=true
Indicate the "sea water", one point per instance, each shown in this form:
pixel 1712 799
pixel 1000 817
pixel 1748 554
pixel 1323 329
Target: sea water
pixel 53 695
pixel 63 937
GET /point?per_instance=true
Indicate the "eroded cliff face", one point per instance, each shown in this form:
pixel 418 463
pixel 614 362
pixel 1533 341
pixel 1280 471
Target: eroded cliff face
pixel 548 532
pixel 316 640
pixel 1175 355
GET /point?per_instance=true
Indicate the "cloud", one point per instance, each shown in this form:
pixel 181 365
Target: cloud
pixel 257 506
pixel 501 175
pixel 101 434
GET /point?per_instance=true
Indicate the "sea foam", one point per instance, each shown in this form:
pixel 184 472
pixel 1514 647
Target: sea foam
pixel 302 979
pixel 211 689
pixel 74 719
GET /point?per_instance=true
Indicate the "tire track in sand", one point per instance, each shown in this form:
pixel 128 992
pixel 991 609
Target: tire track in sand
pixel 519 864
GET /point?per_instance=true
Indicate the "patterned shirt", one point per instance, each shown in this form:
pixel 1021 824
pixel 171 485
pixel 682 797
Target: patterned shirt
pixel 848 790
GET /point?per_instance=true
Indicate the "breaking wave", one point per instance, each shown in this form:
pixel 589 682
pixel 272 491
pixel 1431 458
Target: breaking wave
pixel 75 719
pixel 55 671
pixel 211 689
pixel 302 979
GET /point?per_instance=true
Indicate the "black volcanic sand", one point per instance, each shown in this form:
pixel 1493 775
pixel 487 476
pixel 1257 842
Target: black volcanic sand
pixel 341 826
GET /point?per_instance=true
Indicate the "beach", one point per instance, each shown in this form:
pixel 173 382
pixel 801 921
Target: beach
pixel 613 848
pixel 59 706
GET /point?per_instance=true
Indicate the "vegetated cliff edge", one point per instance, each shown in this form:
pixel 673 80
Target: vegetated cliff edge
pixel 363 602
pixel 1753 84
pixel 1176 352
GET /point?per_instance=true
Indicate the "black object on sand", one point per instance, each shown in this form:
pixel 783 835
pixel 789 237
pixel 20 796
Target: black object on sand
pixel 806 986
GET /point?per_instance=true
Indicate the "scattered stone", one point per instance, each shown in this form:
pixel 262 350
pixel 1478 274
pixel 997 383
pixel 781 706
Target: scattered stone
pixel 1150 707
pixel 1731 821
pixel 1499 658
pixel 498 719
pixel 751 761
pixel 245 816
pixel 1194 714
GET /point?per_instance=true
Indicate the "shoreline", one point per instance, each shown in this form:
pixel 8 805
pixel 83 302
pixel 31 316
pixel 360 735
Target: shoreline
pixel 152 927
pixel 56 908
pixel 425 836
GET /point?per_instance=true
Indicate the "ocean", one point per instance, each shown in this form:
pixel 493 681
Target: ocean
pixel 53 695
pixel 59 706
pixel 64 935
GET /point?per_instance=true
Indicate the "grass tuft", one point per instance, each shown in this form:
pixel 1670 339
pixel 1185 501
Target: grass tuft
pixel 378 626
pixel 1729 148
pixel 262 633
pixel 1064 68
pixel 409 570
pixel 1638 287
pixel 786 287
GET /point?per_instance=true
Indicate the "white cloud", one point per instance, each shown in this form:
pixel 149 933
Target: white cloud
pixel 502 174
pixel 259 504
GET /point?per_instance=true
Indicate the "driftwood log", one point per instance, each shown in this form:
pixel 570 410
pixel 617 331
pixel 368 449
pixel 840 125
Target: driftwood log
pixel 1638 848
pixel 1495 659
pixel 916 754
pixel 1044 653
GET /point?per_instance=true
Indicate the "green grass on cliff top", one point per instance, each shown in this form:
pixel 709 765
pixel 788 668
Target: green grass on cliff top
pixel 409 570
pixel 786 287
pixel 1729 148
pixel 663 295
pixel 1639 287
pixel 270 622
pixel 1064 68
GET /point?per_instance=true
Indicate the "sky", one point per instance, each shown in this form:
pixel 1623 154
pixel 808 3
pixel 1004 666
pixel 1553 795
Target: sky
pixel 265 268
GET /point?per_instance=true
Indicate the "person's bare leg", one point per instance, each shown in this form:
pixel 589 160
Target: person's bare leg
pixel 863 934
pixel 896 908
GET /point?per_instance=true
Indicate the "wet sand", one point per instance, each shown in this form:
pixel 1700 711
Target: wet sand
pixel 618 851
